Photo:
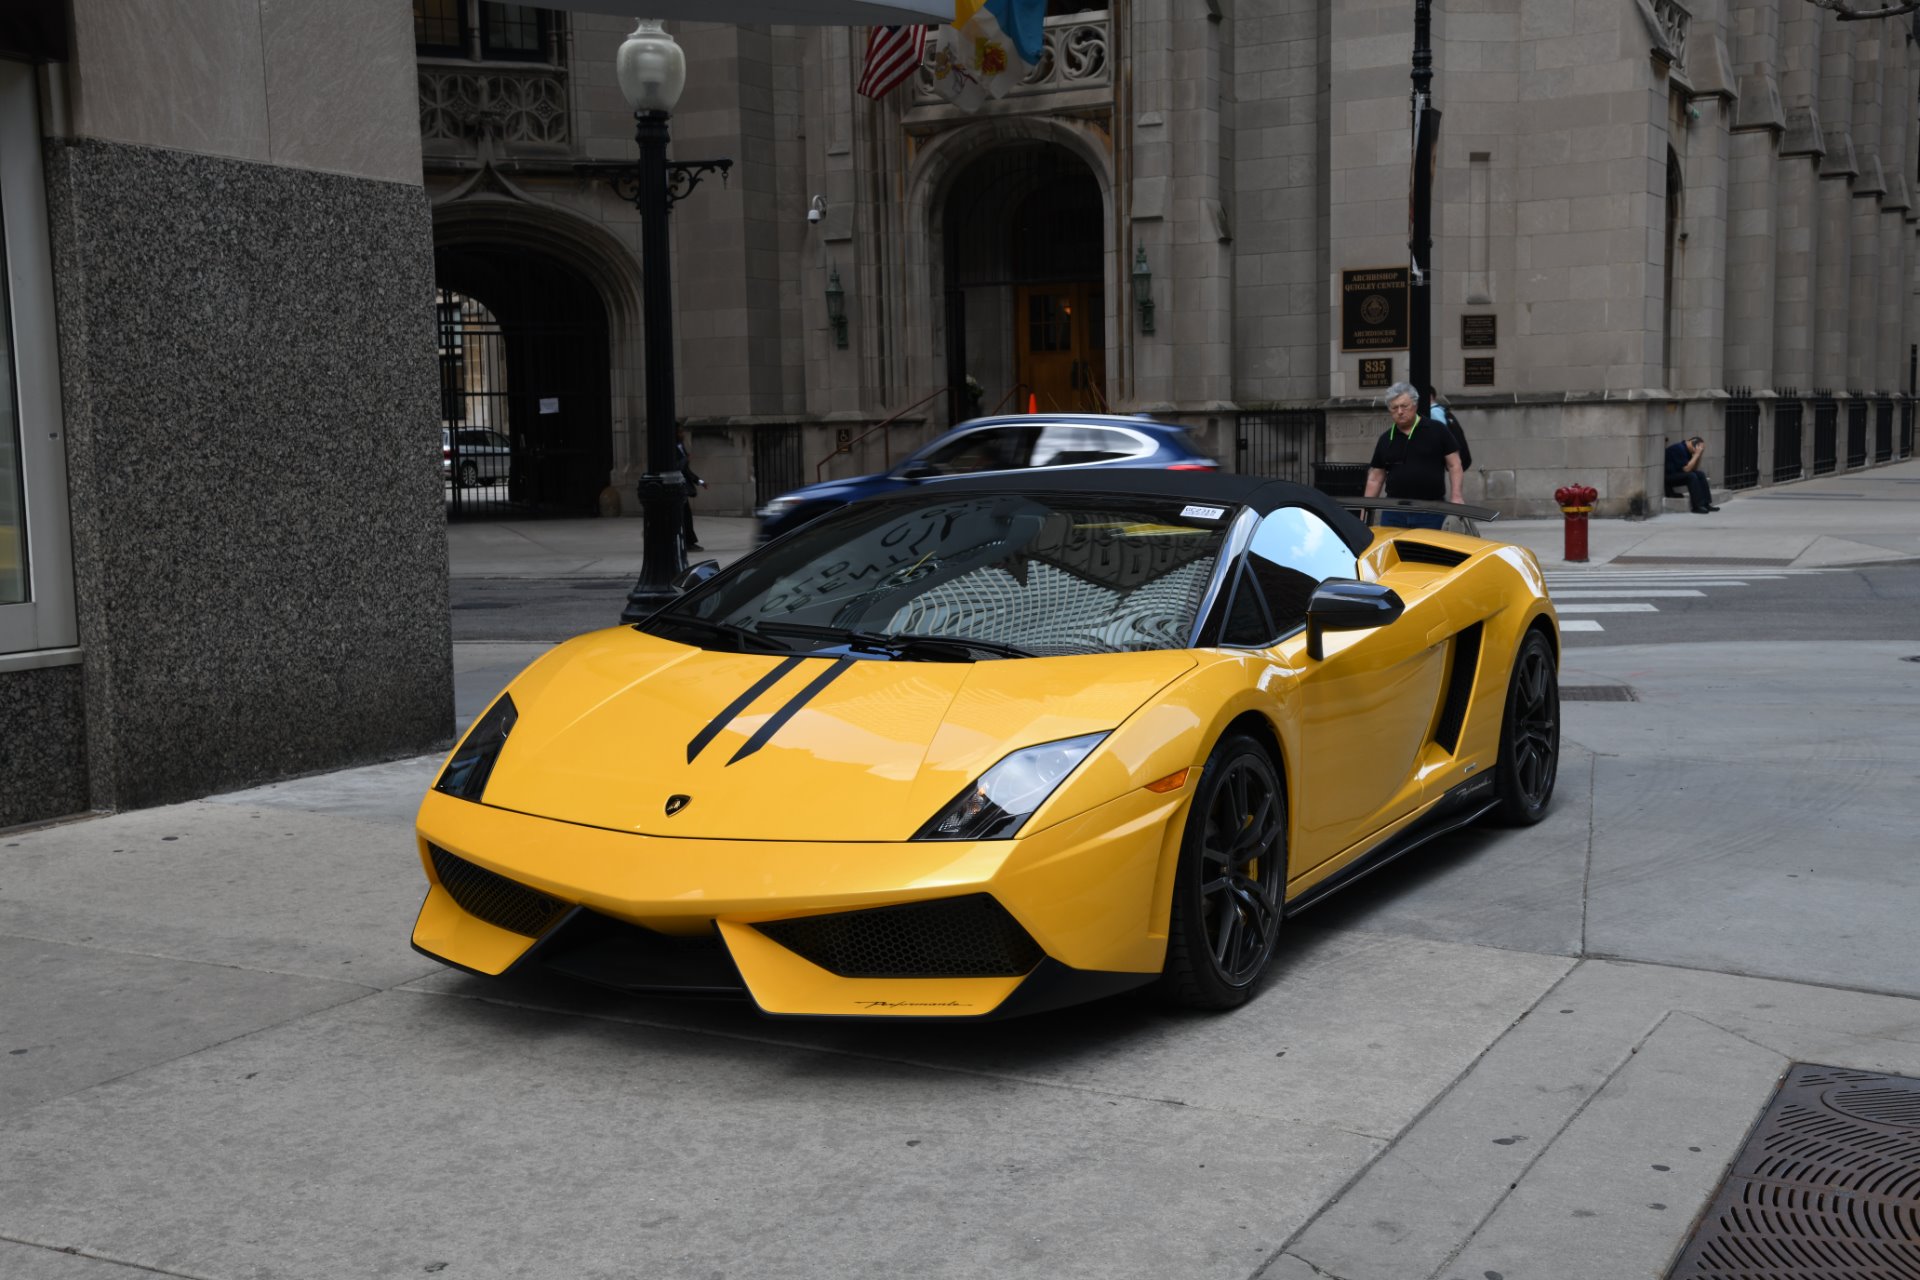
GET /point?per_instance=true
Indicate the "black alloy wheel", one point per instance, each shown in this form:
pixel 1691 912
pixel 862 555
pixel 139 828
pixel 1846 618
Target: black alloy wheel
pixel 1529 735
pixel 1227 894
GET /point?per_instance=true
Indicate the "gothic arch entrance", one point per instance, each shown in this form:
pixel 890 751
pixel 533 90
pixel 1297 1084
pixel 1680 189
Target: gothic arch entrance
pixel 1024 250
pixel 525 383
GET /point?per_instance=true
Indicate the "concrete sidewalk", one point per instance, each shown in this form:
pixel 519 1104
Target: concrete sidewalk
pixel 1523 1053
pixel 1861 517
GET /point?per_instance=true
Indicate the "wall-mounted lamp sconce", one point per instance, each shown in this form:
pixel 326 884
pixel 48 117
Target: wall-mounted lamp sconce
pixel 1143 289
pixel 837 307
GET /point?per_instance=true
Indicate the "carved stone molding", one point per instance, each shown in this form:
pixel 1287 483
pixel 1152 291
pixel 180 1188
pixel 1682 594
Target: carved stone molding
pixel 519 109
pixel 1802 136
pixel 1667 22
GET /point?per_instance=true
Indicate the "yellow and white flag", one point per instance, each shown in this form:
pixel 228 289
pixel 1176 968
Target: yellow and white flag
pixel 991 46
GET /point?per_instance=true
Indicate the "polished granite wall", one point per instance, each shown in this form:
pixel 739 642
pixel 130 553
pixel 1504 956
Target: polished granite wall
pixel 251 398
pixel 43 756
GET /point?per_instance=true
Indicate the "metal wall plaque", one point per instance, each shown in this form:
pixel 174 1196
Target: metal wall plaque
pixel 1479 371
pixel 1376 373
pixel 1480 331
pixel 1373 309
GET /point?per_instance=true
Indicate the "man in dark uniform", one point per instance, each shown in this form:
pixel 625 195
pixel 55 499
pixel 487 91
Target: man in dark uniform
pixel 1683 468
pixel 1414 459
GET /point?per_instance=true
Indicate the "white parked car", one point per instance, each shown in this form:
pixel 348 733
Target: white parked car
pixel 483 456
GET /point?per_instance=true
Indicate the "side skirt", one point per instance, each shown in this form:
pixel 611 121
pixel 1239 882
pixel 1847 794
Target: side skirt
pixel 1464 804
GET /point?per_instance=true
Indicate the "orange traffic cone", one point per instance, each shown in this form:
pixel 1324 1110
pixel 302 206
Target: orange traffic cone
pixel 1033 403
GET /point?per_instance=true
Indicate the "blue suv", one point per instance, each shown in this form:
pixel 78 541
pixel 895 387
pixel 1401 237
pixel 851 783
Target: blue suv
pixel 1013 443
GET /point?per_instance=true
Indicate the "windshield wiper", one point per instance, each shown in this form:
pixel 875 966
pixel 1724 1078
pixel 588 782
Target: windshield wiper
pixel 742 637
pixel 910 641
pixel 901 645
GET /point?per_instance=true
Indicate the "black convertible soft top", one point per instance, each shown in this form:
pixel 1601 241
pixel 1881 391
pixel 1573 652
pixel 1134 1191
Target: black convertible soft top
pixel 1261 493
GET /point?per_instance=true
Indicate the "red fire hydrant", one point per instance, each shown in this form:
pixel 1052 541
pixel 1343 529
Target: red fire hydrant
pixel 1576 504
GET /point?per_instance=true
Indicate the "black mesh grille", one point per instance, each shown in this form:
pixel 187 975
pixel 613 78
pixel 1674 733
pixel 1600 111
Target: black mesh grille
pixel 499 901
pixel 1426 553
pixel 971 937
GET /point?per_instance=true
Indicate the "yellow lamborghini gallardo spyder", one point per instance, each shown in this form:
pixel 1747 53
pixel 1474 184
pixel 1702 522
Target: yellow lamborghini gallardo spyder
pixel 993 746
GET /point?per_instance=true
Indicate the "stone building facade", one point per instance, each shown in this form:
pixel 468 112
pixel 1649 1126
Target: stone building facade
pixel 1652 220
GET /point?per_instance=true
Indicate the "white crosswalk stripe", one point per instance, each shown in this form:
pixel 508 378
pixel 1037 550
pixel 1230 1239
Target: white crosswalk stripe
pixel 1632 589
pixel 1627 593
pixel 1609 606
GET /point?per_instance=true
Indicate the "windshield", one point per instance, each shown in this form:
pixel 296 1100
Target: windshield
pixel 969 578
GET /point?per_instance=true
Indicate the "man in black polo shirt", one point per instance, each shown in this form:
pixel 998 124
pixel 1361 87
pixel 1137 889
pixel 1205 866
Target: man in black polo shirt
pixel 1414 459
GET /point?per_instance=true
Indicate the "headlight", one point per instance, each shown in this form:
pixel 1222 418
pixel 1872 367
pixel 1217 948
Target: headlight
pixel 778 507
pixel 994 807
pixel 467 773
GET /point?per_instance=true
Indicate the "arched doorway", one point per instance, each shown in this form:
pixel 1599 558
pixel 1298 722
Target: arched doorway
pixel 525 397
pixel 1024 247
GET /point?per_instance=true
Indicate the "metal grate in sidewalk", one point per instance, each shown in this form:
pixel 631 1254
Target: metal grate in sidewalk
pixel 1827 1186
pixel 1597 693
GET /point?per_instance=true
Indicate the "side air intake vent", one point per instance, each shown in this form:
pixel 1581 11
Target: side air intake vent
pixel 1426 553
pixel 1453 711
pixel 504 903
pixel 970 937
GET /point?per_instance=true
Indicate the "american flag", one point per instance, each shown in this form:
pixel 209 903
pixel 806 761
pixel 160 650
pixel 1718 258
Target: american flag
pixel 893 54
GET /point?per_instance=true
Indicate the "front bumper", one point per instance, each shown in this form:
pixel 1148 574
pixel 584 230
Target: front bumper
pixel 1068 914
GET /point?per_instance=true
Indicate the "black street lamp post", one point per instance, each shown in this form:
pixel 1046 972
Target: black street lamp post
pixel 1426 140
pixel 653 71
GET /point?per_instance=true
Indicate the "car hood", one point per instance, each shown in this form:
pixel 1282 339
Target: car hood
pixel 613 725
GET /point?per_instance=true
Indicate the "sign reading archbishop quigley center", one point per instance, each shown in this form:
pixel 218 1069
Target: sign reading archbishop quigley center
pixel 1373 309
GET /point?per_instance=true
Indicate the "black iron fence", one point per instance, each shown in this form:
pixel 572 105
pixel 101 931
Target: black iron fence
pixel 1906 427
pixel 1282 443
pixel 1856 432
pixel 778 466
pixel 1741 421
pixel 1788 416
pixel 1883 431
pixel 1826 431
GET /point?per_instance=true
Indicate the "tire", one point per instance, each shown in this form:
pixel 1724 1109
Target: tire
pixel 1529 736
pixel 1229 887
pixel 469 475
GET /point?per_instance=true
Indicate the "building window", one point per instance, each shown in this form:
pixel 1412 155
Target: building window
pixel 36 568
pixel 513 31
pixel 485 31
pixel 438 28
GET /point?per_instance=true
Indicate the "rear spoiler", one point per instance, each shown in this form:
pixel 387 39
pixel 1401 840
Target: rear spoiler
pixel 1468 515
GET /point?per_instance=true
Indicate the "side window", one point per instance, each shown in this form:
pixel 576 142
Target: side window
pixel 989 449
pixel 1247 622
pixel 1292 552
pixel 1062 444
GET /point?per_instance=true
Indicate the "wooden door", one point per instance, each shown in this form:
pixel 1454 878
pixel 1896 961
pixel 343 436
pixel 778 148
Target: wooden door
pixel 1059 352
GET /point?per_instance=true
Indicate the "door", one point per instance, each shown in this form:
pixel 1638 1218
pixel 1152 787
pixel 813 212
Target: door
pixel 1060 354
pixel 1366 711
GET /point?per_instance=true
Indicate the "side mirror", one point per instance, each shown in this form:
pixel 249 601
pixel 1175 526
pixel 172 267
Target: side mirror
pixel 1341 604
pixel 695 574
pixel 917 469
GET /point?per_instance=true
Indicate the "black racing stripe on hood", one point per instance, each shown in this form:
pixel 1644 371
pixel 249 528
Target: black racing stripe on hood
pixel 772 726
pixel 739 704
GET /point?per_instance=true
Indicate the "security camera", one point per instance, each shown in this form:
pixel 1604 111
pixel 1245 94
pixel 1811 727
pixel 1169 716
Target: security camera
pixel 816 209
pixel 814 215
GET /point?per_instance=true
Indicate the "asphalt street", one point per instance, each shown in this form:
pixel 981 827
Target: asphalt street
pixel 1525 1054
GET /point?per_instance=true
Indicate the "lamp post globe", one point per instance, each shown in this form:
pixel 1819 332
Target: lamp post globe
pixel 652 68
